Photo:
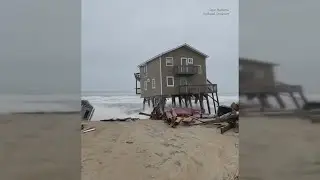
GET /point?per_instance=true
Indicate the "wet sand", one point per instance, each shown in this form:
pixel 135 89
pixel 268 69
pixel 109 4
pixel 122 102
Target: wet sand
pixel 279 148
pixel 146 150
pixel 40 147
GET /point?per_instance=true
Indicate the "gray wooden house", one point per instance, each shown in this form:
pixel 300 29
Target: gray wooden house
pixel 176 73
pixel 257 80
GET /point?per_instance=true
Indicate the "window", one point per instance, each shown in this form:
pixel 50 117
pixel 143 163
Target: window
pixel 199 68
pixel 170 81
pixel 169 61
pixel 184 61
pixel 145 85
pixel 153 83
pixel 190 60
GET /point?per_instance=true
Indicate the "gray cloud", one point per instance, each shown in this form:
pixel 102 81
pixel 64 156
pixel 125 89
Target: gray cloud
pixel 284 32
pixel 40 46
pixel 119 35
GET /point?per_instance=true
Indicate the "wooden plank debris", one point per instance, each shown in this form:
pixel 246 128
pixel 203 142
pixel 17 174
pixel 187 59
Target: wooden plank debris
pixel 190 116
pixel 120 119
pixel 88 130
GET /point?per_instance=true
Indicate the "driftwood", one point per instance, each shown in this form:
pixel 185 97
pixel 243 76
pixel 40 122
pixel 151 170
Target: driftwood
pixel 145 114
pixel 120 119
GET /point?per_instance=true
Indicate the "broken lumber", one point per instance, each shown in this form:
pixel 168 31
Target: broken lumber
pixel 145 114
pixel 88 130
pixel 176 122
pixel 120 119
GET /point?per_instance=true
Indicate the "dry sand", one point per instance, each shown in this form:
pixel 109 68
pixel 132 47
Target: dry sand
pixel 279 149
pixel 146 150
pixel 40 147
pixel 47 146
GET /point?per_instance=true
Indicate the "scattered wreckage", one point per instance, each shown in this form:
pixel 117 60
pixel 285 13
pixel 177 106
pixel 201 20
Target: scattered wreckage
pixel 87 110
pixel 227 117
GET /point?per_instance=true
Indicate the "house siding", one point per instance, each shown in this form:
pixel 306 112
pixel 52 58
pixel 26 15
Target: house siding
pixel 197 79
pixel 249 83
pixel 153 72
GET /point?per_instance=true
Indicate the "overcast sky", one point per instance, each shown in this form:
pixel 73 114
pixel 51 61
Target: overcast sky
pixel 284 32
pixel 40 41
pixel 40 46
pixel 117 35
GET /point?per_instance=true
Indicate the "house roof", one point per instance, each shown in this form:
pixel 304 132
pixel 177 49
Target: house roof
pixel 254 61
pixel 183 45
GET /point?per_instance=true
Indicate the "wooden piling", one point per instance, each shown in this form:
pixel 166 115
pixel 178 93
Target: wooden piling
pixel 152 102
pixel 294 100
pixel 280 101
pixel 208 104
pixel 173 99
pixel 190 101
pixel 144 103
pixel 180 101
pixel 186 101
pixel 217 100
pixel 304 99
pixel 196 99
pixel 263 101
pixel 201 102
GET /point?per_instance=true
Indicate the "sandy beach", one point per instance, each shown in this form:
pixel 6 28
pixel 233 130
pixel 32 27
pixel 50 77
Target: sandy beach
pixel 149 149
pixel 40 147
pixel 47 146
pixel 279 148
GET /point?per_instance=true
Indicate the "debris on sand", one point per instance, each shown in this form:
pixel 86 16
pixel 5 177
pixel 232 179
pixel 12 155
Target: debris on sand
pixel 121 119
pixel 87 110
pixel 88 130
pixel 227 117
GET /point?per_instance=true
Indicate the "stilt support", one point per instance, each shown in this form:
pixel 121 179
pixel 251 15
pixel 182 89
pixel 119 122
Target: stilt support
pixel 294 100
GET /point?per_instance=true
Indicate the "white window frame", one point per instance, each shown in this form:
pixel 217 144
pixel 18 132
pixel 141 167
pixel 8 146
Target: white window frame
pixel 146 69
pixel 153 83
pixel 169 61
pixel 145 85
pixel 184 58
pixel 170 77
pixel 190 61
pixel 199 69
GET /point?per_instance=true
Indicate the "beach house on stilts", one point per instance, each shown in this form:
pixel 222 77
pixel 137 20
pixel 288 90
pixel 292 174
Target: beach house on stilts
pixel 257 80
pixel 179 74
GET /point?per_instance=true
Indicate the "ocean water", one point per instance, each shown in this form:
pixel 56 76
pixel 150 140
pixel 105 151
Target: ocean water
pixel 111 104
pixel 13 103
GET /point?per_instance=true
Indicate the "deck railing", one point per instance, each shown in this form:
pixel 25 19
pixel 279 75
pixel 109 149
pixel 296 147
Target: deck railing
pixel 186 70
pixel 196 89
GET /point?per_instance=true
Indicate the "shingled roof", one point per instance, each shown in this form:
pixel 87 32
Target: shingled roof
pixel 183 45
pixel 248 60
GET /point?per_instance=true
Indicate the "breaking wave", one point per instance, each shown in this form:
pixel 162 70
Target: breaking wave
pixel 123 106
